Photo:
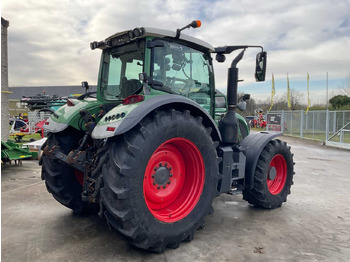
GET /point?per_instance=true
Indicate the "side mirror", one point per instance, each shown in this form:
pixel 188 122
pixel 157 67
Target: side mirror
pixel 245 97
pixel 242 106
pixel 85 84
pixel 260 68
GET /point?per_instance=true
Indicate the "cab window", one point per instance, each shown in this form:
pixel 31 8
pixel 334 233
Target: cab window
pixel 120 71
pixel 184 70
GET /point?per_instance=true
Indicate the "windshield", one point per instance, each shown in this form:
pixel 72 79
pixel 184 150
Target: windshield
pixel 120 71
pixel 184 70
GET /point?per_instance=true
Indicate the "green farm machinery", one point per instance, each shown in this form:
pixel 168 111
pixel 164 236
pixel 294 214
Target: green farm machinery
pixel 156 143
pixel 11 151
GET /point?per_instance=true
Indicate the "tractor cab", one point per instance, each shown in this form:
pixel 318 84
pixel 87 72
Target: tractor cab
pixel 149 62
pixel 176 65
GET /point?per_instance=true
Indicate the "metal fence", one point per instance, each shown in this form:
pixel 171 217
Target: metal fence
pixel 323 125
pixel 34 118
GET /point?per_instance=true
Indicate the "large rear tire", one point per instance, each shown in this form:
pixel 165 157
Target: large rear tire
pixel 160 179
pixel 273 176
pixel 61 180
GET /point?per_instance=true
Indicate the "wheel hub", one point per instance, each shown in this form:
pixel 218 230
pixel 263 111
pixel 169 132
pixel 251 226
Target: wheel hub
pixel 272 173
pixel 162 175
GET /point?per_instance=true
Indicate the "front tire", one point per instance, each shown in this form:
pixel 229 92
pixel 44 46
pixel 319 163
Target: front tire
pixel 160 180
pixel 273 176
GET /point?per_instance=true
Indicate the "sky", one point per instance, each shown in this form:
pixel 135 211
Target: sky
pixel 48 41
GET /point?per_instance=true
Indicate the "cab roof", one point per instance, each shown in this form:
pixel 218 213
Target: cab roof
pixel 142 32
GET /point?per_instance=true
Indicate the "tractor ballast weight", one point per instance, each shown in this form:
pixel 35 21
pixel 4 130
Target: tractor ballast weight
pixel 152 148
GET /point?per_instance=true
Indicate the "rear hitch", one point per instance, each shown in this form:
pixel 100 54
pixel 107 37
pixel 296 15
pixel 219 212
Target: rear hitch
pixel 74 158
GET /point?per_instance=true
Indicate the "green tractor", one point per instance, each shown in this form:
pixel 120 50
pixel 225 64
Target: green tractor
pixel 156 143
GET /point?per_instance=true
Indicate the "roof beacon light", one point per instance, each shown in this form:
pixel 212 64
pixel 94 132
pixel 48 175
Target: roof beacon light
pixel 193 24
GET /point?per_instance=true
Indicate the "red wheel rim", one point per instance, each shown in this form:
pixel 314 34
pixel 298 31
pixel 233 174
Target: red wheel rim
pixel 173 180
pixel 277 174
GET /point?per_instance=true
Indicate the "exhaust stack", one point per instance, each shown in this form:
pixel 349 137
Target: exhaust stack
pixel 228 125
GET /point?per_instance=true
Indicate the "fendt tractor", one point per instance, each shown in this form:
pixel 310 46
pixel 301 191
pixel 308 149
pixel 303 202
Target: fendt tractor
pixel 156 143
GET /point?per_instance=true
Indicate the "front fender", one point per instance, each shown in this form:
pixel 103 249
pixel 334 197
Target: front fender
pixel 106 129
pixel 254 145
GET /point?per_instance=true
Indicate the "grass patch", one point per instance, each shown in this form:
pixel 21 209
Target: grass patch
pixel 258 129
pixel 26 138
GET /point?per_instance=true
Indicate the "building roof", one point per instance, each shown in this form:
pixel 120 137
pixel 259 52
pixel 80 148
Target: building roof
pixel 20 91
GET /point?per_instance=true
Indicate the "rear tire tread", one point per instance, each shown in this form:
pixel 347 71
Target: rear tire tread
pixel 120 211
pixel 59 178
pixel 259 195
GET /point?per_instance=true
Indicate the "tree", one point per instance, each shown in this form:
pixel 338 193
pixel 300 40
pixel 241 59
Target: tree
pixel 345 86
pixel 295 99
pixel 339 101
pixel 281 102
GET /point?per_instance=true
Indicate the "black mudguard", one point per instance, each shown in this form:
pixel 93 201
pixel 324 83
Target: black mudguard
pixel 254 145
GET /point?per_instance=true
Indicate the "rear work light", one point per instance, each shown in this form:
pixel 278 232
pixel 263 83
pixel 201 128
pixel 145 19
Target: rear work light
pixel 133 99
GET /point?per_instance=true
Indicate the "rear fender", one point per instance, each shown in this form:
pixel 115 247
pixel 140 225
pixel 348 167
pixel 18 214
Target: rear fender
pixel 254 145
pixel 67 116
pixel 133 117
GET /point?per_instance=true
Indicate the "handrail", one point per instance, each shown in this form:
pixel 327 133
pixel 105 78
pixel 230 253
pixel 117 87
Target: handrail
pixel 340 130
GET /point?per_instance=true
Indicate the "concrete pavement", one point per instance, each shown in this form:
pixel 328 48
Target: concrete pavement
pixel 314 224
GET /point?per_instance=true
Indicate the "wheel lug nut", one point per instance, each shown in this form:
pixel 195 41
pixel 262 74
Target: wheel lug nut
pixel 160 164
pixel 154 183
pixel 168 182
pixel 171 175
pixel 155 169
pixel 158 187
pixel 164 186
pixel 166 164
pixel 169 167
pixel 153 176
